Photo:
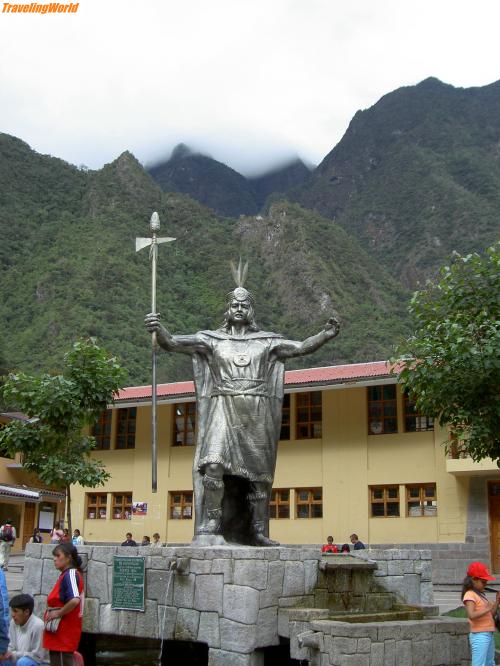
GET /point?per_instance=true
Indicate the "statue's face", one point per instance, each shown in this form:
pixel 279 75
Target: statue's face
pixel 238 312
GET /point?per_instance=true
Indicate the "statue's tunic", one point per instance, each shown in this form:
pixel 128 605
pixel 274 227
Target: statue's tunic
pixel 239 386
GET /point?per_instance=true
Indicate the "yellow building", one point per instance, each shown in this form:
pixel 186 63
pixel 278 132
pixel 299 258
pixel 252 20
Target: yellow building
pixel 354 456
pixel 24 498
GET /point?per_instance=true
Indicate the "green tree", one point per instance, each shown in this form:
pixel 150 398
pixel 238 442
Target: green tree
pixel 53 443
pixel 451 363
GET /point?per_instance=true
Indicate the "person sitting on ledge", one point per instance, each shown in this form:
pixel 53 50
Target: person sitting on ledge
pixel 128 540
pixel 146 541
pixel 329 547
pixel 357 544
pixel 25 634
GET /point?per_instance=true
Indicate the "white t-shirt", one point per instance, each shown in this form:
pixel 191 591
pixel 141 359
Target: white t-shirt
pixel 26 641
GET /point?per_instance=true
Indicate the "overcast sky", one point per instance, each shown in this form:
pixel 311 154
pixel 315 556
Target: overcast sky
pixel 251 82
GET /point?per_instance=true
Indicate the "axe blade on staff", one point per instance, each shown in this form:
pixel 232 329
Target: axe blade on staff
pixel 153 243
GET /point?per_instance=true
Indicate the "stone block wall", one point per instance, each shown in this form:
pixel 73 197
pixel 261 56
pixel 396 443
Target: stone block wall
pixel 434 642
pixel 405 572
pixel 449 560
pixel 234 599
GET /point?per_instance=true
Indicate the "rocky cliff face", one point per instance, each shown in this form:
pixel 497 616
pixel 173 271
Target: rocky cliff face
pixel 415 177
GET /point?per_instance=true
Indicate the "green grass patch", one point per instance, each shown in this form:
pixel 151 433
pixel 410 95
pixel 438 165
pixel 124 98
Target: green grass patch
pixel 456 612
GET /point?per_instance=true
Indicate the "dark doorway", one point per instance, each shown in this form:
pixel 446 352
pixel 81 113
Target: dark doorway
pixel 176 653
pixel 279 655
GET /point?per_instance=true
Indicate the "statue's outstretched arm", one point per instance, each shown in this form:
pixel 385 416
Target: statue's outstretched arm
pixel 290 348
pixel 185 344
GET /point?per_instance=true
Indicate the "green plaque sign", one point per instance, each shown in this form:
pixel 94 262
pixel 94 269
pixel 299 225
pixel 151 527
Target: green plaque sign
pixel 128 583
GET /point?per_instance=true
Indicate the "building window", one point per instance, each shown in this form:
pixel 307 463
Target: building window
pixel 279 506
pixel 382 409
pixel 122 506
pixel 97 504
pixel 184 424
pixel 101 431
pixel 181 505
pixel 308 415
pixel 125 430
pixel 421 500
pixel 384 501
pixel 285 418
pixel 414 420
pixel 309 502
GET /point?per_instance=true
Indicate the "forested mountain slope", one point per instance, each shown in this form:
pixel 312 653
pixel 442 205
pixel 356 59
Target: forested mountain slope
pixel 415 177
pixel 221 188
pixel 68 268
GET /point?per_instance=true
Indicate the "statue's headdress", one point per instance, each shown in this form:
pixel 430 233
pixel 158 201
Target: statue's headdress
pixel 240 275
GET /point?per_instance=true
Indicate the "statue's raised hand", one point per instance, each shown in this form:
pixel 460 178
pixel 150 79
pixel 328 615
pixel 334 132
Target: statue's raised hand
pixel 332 326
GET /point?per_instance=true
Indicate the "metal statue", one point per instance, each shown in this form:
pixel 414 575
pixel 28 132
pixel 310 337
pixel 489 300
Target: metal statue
pixel 152 243
pixel 239 380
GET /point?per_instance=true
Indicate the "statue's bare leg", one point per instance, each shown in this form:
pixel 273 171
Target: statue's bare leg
pixel 259 501
pixel 209 532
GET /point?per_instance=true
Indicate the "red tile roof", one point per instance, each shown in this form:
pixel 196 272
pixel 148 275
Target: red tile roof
pixel 332 374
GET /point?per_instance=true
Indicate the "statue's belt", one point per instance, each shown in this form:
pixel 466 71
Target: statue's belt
pixel 241 386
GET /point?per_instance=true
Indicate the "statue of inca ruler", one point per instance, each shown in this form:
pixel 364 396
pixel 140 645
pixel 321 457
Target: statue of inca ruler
pixel 239 378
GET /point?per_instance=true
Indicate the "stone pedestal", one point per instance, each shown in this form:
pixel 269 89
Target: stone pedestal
pixel 234 599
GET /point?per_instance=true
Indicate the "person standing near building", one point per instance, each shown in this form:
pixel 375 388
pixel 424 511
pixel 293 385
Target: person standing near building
pixel 56 534
pixel 7 540
pixel 63 617
pixel 357 544
pixel 25 634
pixel 480 613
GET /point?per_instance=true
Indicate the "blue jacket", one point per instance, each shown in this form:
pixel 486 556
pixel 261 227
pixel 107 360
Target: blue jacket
pixel 4 614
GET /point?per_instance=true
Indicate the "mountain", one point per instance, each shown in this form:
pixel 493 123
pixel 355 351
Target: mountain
pixel 279 180
pixel 68 268
pixel 206 180
pixel 221 188
pixel 415 177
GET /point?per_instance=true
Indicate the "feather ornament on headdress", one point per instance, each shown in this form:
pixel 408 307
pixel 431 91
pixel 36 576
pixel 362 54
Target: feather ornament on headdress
pixel 240 273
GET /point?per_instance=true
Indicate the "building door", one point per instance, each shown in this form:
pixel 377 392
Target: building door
pixel 494 506
pixel 29 521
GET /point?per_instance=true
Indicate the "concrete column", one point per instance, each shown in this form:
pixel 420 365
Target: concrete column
pixel 477 530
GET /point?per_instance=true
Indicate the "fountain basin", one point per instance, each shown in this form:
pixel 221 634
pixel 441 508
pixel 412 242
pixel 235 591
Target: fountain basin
pixel 401 614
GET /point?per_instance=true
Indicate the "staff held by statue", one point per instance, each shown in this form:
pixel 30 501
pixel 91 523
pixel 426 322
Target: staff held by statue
pixel 153 243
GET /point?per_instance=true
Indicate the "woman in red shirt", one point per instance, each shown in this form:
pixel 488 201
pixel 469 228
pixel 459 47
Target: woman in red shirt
pixel 64 603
